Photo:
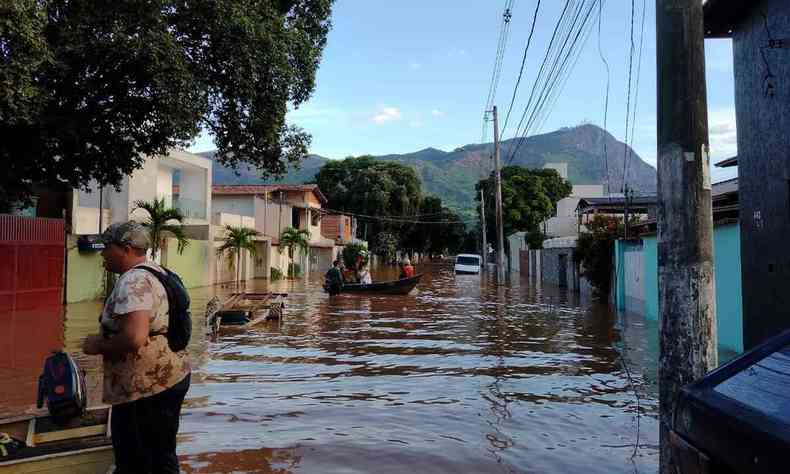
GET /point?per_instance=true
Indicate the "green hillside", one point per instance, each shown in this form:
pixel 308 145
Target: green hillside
pixel 452 175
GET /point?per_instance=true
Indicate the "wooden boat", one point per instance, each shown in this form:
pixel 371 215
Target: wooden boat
pixel 393 287
pixel 245 309
pixel 82 446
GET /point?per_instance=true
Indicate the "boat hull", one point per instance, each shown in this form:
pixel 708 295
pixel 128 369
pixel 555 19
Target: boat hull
pixel 395 287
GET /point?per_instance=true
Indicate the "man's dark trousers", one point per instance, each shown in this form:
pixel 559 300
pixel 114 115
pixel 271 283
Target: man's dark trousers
pixel 144 432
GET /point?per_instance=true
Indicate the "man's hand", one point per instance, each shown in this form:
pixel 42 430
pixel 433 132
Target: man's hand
pixel 91 345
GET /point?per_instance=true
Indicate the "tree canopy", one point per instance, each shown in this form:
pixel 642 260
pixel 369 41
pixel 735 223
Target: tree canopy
pixel 529 196
pixel 91 87
pixel 390 194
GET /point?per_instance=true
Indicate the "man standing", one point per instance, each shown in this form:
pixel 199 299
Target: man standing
pixel 334 279
pixel 144 380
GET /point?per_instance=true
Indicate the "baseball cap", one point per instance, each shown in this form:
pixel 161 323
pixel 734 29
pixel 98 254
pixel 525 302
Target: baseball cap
pixel 131 233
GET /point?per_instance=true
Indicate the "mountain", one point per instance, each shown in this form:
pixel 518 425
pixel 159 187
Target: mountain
pixel 248 175
pixel 452 175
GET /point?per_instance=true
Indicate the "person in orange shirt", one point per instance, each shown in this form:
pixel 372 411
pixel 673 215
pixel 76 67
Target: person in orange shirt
pixel 407 271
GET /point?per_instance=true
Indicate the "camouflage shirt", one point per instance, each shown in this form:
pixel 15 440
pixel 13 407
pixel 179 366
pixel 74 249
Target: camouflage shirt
pixel 154 367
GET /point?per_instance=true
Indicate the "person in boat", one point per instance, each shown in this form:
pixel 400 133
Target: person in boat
pixel 406 271
pixel 144 380
pixel 334 279
pixel 364 276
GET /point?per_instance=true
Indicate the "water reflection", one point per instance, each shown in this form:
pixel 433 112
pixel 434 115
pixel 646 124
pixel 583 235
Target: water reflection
pixel 461 376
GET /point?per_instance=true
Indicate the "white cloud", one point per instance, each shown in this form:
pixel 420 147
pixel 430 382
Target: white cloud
pixel 437 113
pixel 722 133
pixel 387 114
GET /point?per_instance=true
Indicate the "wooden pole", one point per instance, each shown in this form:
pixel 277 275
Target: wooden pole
pixel 484 253
pixel 685 222
pixel 500 251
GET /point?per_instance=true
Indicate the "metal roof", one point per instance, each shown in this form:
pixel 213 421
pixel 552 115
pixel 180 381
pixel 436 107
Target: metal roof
pixel 727 163
pixel 246 189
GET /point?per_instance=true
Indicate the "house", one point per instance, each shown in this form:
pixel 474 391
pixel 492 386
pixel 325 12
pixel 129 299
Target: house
pixel 273 209
pixel 760 34
pixel 636 269
pixel 564 222
pixel 93 209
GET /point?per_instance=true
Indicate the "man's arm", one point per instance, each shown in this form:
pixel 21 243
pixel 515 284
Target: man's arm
pixel 133 335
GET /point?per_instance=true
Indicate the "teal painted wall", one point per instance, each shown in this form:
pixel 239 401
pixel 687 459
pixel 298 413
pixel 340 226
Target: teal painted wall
pixel 729 309
pixel 650 278
pixel 727 270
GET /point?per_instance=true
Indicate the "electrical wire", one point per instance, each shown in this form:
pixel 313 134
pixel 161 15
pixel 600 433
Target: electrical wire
pixel 521 70
pixel 606 100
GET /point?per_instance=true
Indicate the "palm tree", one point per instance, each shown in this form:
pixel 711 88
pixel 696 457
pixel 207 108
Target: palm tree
pixel 238 239
pixel 163 222
pixel 292 238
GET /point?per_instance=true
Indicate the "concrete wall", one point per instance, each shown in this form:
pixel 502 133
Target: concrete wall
pixel 552 267
pixel 270 220
pixel 516 244
pixel 727 268
pixel 193 266
pixel 85 274
pixel 630 271
pixel 233 205
pixel 164 185
pixel 762 122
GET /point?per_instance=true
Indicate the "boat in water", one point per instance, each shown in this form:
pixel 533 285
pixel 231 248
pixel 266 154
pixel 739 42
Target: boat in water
pixel 244 309
pixel 394 287
pixel 39 444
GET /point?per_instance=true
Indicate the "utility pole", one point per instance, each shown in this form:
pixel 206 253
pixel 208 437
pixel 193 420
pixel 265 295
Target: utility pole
pixel 686 297
pixel 500 251
pixel 483 217
pixel 626 214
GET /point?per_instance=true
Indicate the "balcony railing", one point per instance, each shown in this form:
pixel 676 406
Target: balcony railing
pixel 190 208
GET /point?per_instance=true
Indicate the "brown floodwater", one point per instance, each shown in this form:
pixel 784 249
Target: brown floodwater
pixel 460 376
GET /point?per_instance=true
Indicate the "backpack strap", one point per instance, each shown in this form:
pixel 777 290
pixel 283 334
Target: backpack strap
pixel 161 278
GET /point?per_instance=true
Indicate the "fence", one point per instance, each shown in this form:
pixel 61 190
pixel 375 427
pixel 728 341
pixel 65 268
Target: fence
pixel 31 262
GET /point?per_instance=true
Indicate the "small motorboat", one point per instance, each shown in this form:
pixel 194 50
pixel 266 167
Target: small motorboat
pixel 244 309
pixel 39 444
pixel 393 287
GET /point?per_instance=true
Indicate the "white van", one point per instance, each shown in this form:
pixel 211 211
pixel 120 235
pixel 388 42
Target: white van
pixel 467 263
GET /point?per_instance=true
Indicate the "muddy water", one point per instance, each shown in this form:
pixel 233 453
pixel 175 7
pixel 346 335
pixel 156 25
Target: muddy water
pixel 461 376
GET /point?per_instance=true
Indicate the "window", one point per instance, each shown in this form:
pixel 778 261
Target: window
pixel 295 222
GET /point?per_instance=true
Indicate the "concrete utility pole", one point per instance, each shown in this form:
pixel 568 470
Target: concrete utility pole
pixel 500 251
pixel 483 217
pixel 685 218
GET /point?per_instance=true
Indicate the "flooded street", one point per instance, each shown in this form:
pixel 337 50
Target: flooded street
pixel 459 376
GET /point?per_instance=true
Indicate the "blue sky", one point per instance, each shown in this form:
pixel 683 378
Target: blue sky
pixel 401 76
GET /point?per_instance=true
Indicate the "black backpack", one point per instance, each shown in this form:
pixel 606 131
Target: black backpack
pixel 179 319
pixel 62 385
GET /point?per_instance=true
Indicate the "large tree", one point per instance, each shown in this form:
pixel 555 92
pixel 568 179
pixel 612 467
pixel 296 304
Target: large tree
pixel 368 187
pixel 529 196
pixel 88 88
pixel 438 230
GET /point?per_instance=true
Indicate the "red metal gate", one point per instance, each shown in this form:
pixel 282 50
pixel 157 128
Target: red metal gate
pixel 32 251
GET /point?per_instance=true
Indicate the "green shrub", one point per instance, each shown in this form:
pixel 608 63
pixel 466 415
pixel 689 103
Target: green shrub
pixel 352 251
pixel 276 274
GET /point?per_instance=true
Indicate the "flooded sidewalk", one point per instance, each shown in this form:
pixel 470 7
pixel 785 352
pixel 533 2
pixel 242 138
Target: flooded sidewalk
pixel 459 376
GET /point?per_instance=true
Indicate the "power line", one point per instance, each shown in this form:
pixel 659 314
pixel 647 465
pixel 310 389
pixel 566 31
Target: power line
pixel 396 219
pixel 628 98
pixel 504 33
pixel 523 63
pixel 606 101
pixel 572 29
pixel 560 21
pixel 636 90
